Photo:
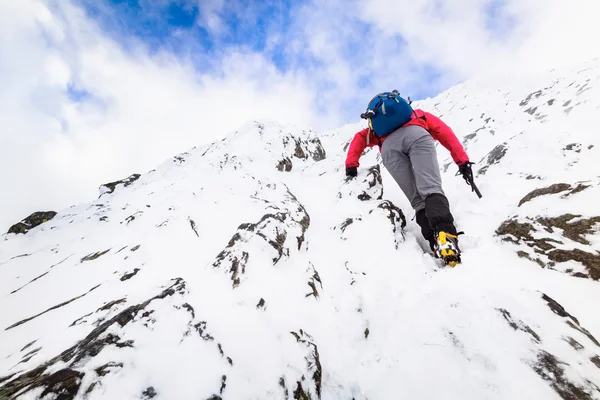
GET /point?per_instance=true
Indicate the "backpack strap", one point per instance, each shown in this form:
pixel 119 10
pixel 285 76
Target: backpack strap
pixel 419 116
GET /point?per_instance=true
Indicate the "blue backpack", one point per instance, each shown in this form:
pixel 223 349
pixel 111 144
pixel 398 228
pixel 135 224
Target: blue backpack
pixel 387 112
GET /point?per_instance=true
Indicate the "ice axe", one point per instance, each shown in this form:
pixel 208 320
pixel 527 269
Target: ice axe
pixel 468 176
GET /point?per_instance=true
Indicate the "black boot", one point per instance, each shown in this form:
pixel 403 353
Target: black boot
pixel 438 213
pixel 445 235
pixel 426 228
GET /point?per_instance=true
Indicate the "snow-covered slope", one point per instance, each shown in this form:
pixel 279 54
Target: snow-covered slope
pixel 251 269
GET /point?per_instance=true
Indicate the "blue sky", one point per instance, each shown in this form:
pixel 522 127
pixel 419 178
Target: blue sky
pixel 180 27
pixel 177 27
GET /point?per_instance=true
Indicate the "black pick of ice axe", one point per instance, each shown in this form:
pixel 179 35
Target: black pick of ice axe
pixel 468 176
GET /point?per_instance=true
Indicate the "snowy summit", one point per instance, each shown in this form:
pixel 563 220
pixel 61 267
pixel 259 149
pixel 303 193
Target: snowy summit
pixel 251 268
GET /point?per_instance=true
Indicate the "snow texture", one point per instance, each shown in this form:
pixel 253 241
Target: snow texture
pixel 251 268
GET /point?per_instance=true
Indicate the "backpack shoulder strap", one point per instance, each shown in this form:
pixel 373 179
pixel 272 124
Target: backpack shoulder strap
pixel 419 116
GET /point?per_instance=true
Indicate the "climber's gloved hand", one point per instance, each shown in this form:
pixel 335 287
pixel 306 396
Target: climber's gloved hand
pixel 465 170
pixel 351 172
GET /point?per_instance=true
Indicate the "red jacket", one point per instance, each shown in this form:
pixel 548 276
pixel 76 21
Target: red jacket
pixel 435 126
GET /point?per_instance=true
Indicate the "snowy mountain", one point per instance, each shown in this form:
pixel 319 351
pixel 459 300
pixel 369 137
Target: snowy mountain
pixel 251 268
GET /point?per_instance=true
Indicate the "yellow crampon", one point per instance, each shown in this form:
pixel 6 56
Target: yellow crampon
pixel 447 253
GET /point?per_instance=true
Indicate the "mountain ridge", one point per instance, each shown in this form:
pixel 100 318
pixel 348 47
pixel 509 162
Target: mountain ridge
pixel 251 267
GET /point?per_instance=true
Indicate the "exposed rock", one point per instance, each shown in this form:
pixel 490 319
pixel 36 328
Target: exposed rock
pixel 286 392
pixel 394 214
pixel 31 281
pixel 106 368
pixel 261 304
pixel 522 233
pixel 318 154
pixel 579 188
pixel 223 384
pixel 130 274
pixel 50 309
pixel 375 185
pixel 346 145
pixel 569 319
pixel 531 110
pixel 273 228
pixel 28 345
pixel 590 260
pixel 523 254
pixel 369 187
pixel 572 230
pixel 29 355
pixel 526 101
pixel 552 189
pixel 94 256
pixel 108 188
pixel 299 152
pixel 32 221
pixel 573 147
pixel 110 304
pixel 574 343
pixel 285 165
pixel 519 325
pixel 193 225
pixel 346 224
pixel 549 368
pixel 309 389
pixel 65 383
pixel 149 393
pixel 494 157
pixel 312 283
pixel 311 148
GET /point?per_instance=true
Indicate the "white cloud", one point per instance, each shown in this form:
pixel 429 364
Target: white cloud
pixel 56 151
pixel 210 16
pixel 455 37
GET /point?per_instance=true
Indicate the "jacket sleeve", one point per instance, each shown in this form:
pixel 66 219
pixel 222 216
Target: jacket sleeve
pixel 444 134
pixel 357 146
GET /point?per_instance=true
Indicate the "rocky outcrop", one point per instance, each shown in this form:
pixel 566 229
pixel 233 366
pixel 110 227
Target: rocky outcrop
pixel 577 383
pixel 549 251
pixel 554 189
pixel 368 185
pixel 308 387
pixel 306 148
pixel 67 375
pixel 303 148
pixel 285 221
pixel 493 157
pixel 557 241
pixel 32 221
pixel 389 216
pixel 65 382
pixel 108 188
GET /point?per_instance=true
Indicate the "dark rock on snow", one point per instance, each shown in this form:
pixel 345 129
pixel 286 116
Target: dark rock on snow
pixel 522 233
pixel 65 383
pixel 110 187
pixel 35 219
pixel 554 189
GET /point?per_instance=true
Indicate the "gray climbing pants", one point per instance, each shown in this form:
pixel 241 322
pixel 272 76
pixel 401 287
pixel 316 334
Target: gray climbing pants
pixel 410 157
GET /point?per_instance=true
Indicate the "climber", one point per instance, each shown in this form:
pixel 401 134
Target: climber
pixel 405 137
